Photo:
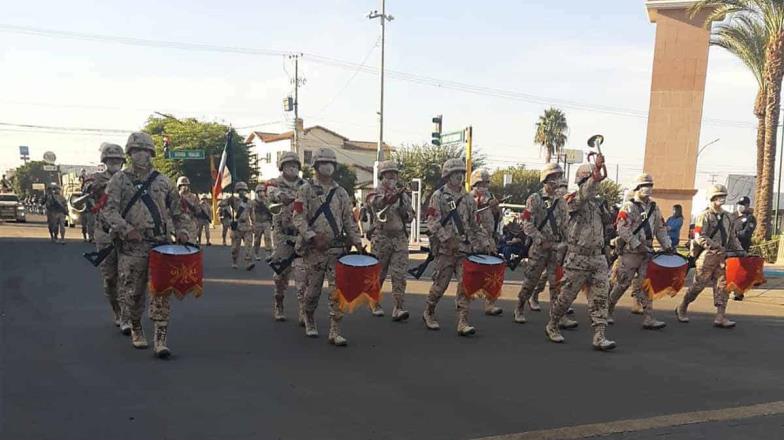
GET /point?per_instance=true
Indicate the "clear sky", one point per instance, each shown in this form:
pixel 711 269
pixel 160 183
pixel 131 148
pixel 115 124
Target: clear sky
pixel 581 56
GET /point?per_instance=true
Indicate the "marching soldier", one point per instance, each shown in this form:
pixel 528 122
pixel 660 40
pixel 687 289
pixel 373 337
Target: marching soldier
pixel 241 227
pixel 544 221
pixel 454 233
pixel 585 263
pixel 533 303
pixel 56 210
pixel 224 214
pixel 189 208
pixel 323 216
pixel 262 223
pixel 389 239
pixel 283 190
pixel 639 221
pixel 489 214
pixel 151 207
pixel 113 156
pixel 87 218
pixel 715 235
pixel 204 219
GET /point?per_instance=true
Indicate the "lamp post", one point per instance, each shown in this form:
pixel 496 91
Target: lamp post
pixel 380 152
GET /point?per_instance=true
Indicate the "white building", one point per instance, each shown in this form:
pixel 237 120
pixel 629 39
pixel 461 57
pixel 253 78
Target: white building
pixel 359 156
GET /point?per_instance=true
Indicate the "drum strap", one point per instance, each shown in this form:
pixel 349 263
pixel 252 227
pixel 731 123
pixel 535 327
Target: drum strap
pixel 455 218
pixel 646 220
pixel 722 231
pixel 324 209
pixel 549 217
pixel 141 193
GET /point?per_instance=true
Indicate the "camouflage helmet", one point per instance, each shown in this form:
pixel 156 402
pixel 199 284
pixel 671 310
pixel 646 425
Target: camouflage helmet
pixel 549 170
pixel 717 190
pixel 478 176
pixel 54 185
pixel 583 171
pixel 325 154
pixel 111 151
pixel 140 140
pixel 183 180
pixel 260 187
pixel 387 165
pixel 288 156
pixel 452 166
pixel 240 186
pixel 643 179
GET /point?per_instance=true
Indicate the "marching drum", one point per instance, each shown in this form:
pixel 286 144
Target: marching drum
pixel 357 280
pixel 177 269
pixel 483 275
pixel 743 273
pixel 666 275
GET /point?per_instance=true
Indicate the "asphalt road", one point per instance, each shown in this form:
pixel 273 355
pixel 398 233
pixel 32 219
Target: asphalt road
pixel 67 373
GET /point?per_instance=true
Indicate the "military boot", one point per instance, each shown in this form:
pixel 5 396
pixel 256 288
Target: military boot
pixel 567 323
pixel 570 311
pixel 519 313
pixel 429 317
pixel 376 310
pixel 137 335
pixel 277 311
pixel 636 308
pixel 159 342
pixel 533 303
pixel 680 312
pixel 334 334
pixel 552 332
pixel 463 328
pixel 301 315
pixel 600 342
pixel 310 325
pixel 650 323
pixel 125 326
pixel 492 310
pixel 399 313
pixel 721 320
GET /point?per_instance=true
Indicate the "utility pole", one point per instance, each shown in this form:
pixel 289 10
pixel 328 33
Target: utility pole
pixel 380 151
pixel 617 171
pixel 295 57
pixel 469 135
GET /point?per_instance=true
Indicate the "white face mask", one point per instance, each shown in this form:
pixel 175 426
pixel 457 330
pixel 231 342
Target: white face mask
pixel 141 158
pixel 113 165
pixel 718 202
pixel 455 179
pixel 481 189
pixel 560 192
pixel 185 189
pixel 290 171
pixel 645 191
pixel 326 169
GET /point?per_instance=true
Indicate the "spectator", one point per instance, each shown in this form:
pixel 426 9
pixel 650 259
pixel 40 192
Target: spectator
pixel 745 223
pixel 674 225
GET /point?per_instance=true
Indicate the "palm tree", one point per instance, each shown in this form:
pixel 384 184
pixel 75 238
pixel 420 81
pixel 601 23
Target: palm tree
pixel 770 14
pixel 746 38
pixel 551 132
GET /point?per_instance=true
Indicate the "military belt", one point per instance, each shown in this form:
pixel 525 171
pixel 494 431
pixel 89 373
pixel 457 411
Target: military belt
pixel 584 251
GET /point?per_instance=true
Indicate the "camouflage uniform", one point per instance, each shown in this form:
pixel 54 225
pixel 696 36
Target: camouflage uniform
pixel 133 255
pixel 283 191
pixel 585 264
pixel 56 206
pixel 450 245
pixel 262 224
pixel 189 208
pixel 242 213
pixel 546 247
pixel 710 264
pixel 203 221
pixel 103 239
pixel 488 219
pixel 224 213
pixel 635 249
pixel 320 263
pixel 389 239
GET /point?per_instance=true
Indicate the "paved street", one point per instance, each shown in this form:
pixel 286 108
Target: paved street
pixel 69 374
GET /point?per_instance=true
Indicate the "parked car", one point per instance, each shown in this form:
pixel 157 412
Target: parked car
pixel 11 208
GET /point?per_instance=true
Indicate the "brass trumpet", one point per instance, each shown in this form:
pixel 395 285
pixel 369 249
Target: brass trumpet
pixel 493 198
pixel 78 204
pixel 275 208
pixel 381 215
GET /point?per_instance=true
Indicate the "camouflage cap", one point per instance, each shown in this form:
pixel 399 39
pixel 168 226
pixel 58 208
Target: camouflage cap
pixel 140 140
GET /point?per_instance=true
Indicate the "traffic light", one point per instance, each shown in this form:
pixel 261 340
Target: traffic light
pixel 438 123
pixel 166 145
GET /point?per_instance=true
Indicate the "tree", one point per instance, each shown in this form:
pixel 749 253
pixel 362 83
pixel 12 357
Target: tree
pixel 746 38
pixel 29 173
pixel 191 134
pixel 769 13
pixel 611 192
pixel 425 161
pixel 551 132
pixel 524 183
pixel 344 176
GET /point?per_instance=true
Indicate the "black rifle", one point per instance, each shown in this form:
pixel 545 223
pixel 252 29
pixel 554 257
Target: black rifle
pixel 418 270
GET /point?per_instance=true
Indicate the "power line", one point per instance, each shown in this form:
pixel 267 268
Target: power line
pixel 47 127
pixel 347 65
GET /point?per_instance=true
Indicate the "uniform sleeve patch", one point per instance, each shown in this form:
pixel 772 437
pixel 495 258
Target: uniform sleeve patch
pixel 526 215
pixel 298 207
pixel 697 229
pixel 431 212
pixel 622 215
